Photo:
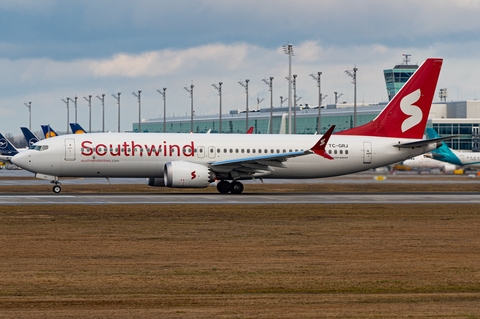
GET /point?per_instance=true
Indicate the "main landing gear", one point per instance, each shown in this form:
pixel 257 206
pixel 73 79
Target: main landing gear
pixel 225 187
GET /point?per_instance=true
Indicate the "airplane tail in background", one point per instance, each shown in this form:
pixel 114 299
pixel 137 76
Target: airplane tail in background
pixel 405 116
pixel 29 136
pixel 77 128
pixel 443 153
pixel 6 147
pixel 48 131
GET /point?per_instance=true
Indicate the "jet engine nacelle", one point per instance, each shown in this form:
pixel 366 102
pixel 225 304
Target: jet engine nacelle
pixel 182 174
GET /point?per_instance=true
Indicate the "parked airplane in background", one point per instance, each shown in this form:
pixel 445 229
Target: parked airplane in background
pixel 30 137
pixel 446 154
pixel 424 162
pixel 7 149
pixel 48 131
pixel 196 160
pixel 77 128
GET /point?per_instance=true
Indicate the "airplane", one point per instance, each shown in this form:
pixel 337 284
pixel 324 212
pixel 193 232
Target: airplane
pixel 48 131
pixel 30 137
pixel 77 128
pixel 446 154
pixel 426 162
pixel 196 160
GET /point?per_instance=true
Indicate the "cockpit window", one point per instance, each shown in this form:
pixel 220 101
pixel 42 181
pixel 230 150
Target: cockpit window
pixel 40 147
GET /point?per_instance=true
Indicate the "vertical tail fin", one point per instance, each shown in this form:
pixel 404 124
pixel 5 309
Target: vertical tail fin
pixel 77 128
pixel 405 116
pixel 443 153
pixel 29 136
pixel 6 147
pixel 48 131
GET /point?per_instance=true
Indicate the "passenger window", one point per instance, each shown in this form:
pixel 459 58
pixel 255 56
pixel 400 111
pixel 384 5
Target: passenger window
pixel 248 150
pixel 243 151
pixel 346 151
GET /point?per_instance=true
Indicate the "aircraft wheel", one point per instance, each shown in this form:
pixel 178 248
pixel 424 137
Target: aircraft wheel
pixel 57 189
pixel 236 188
pixel 223 187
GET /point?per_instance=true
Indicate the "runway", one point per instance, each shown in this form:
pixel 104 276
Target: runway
pixel 229 199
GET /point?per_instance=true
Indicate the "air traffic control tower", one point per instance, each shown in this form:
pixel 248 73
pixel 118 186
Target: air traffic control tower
pixel 395 78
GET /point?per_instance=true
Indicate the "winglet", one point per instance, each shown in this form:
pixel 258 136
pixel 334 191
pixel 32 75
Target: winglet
pixel 319 147
pixel 250 130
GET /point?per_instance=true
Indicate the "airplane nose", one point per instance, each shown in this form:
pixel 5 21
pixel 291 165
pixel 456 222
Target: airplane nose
pixel 19 159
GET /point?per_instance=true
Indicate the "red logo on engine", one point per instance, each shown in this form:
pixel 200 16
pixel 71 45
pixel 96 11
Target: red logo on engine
pixel 194 175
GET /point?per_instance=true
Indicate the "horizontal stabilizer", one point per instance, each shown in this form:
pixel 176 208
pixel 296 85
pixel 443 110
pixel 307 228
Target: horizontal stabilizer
pixel 424 142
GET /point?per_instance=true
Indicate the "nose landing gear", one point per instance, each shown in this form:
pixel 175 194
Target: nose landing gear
pixel 56 187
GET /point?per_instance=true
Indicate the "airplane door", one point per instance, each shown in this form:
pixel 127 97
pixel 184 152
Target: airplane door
pixel 367 153
pixel 212 152
pixel 201 152
pixel 69 149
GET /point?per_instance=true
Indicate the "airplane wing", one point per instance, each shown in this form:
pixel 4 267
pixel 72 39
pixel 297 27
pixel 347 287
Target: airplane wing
pixel 268 163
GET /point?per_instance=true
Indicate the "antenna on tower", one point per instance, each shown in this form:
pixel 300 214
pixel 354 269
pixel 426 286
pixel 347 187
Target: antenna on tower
pixel 406 58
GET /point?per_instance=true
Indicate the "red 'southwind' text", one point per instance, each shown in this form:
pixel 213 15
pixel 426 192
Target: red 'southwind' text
pixel 134 149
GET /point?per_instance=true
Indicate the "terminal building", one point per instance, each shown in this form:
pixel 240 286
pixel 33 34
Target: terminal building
pixel 460 118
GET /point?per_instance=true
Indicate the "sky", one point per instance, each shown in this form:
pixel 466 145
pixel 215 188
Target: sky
pixel 54 49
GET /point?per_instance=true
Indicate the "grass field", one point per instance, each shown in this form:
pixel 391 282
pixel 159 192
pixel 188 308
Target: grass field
pixel 252 261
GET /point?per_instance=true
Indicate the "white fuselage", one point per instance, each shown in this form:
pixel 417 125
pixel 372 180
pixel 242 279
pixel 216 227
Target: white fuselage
pixel 423 162
pixel 469 159
pixel 145 154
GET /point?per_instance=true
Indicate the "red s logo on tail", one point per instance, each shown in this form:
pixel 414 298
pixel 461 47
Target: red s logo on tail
pixel 409 108
pixel 194 175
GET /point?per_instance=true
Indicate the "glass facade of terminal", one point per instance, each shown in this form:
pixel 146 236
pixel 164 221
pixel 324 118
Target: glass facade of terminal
pixel 306 123
pixel 468 135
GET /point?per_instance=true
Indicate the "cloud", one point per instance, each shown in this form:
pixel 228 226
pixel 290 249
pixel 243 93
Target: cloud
pixel 168 62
